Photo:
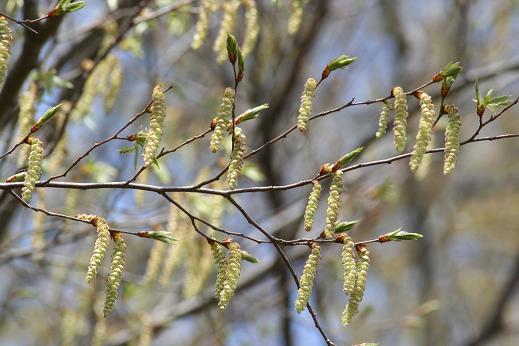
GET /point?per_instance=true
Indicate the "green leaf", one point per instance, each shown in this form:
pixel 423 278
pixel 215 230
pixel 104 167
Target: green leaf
pixel 345 226
pixel 452 69
pixel 401 235
pixel 349 157
pixel 45 117
pixel 248 257
pixel 162 236
pixel 250 114
pixel 340 62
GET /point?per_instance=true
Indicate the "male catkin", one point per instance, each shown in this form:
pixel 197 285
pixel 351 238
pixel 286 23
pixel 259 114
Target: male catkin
pixel 383 119
pixel 311 207
pixel 400 122
pixel 305 108
pixel 306 281
pixel 33 168
pixel 424 131
pixel 100 245
pixel 116 273
pixel 202 24
pixel 348 265
pixel 221 267
pixel 360 286
pixel 232 275
pixel 6 39
pixel 452 139
pixel 334 203
pixel 230 9
pixel 236 158
pixel 156 125
pixel 251 27
pixel 222 119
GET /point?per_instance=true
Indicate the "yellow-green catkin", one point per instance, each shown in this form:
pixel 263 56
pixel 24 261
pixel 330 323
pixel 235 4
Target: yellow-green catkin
pixel 114 83
pixel 116 273
pixel 232 274
pixel 91 89
pixel 334 203
pixel 251 27
pixel 156 125
pixel 383 119
pixel 154 261
pixel 305 108
pixel 99 332
pixel 146 331
pixel 198 269
pixel 452 139
pixel 400 122
pixel 424 131
pixel 221 267
pixel 306 281
pixel 173 257
pixel 139 194
pixel 311 207
pixel 26 117
pixel 100 245
pixel 348 265
pixel 6 39
pixel 202 24
pixel 222 119
pixel 33 168
pixel 230 9
pixel 38 235
pixel 296 15
pixel 69 327
pixel 360 286
pixel 236 163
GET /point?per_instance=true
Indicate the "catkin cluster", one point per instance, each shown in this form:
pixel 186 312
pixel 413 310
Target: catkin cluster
pixel 452 139
pixel 400 122
pixel 360 286
pixel 230 9
pixel 305 108
pixel 156 125
pixel 33 168
pixel 383 119
pixel 202 24
pixel 221 267
pixel 311 207
pixel 116 271
pixel 6 40
pixel 232 274
pixel 222 119
pixel 100 245
pixel 236 159
pixel 26 117
pixel 251 27
pixel 307 278
pixel 348 265
pixel 114 82
pixel 424 131
pixel 296 15
pixel 334 203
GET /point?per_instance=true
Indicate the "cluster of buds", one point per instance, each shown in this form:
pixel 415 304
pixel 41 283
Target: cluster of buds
pixel 33 168
pixel 452 139
pixel 306 281
pixel 424 130
pixel 221 121
pixel 116 270
pixel 305 108
pixel 334 203
pixel 311 207
pixel 236 158
pixel 156 129
pixel 401 114
pixel 6 39
pixel 100 245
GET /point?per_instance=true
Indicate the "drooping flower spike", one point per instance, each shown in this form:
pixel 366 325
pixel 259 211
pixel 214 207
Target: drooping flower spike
pixel 423 137
pixel 305 108
pixel 116 271
pixel 452 139
pixel 156 129
pixel 311 207
pixel 33 168
pixel 400 122
pixel 307 278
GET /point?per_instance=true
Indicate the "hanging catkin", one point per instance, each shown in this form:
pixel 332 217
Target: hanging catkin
pixel 334 203
pixel 348 265
pixel 173 257
pixel 232 274
pixel 230 9
pixel 202 24
pixel 114 83
pixel 400 122
pixel 306 281
pixel 222 119
pixel 26 118
pixel 33 168
pixel 296 15
pixel 311 207
pixel 236 158
pixel 251 27
pixel 6 39
pixel 305 108
pixel 424 131
pixel 360 286
pixel 452 139
pixel 100 245
pixel 156 125
pixel 221 267
pixel 116 271
pixel 154 261
pixel 383 119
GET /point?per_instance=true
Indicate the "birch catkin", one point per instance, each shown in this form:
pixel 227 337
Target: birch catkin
pixel 222 119
pixel 311 207
pixel 202 24
pixel 401 114
pixel 116 271
pixel 232 274
pixel 230 8
pixel 221 267
pixel 154 261
pixel 424 132
pixel 236 159
pixel 360 286
pixel 156 125
pixel 114 82
pixel 296 15
pixel 307 278
pixel 251 27
pixel 6 39
pixel 383 119
pixel 33 168
pixel 334 203
pixel 100 245
pixel 452 139
pixel 305 108
pixel 348 265
pixel 26 117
